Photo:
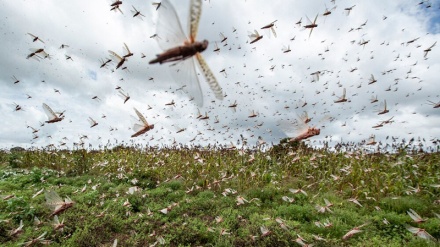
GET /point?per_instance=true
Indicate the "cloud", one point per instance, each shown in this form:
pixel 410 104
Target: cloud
pixel 259 76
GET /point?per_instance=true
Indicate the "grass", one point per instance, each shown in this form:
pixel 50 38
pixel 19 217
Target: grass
pixel 198 190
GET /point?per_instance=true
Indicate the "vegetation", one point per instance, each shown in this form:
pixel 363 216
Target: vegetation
pixel 289 195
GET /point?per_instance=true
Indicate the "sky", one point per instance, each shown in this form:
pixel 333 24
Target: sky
pixel 385 39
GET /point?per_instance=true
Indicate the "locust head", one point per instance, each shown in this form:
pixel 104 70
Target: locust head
pixel 314 131
pixel 201 46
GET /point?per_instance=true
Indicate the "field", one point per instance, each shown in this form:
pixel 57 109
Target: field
pixel 178 196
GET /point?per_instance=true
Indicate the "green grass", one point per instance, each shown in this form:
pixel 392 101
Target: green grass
pixel 201 188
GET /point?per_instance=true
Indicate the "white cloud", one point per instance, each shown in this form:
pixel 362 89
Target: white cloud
pixel 91 29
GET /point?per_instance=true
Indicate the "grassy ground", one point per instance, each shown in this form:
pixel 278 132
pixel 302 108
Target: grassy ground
pixel 190 197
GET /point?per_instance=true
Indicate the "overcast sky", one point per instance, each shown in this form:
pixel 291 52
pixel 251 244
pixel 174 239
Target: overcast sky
pixel 260 77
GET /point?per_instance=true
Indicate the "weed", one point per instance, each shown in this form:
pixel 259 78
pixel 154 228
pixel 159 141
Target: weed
pixel 192 197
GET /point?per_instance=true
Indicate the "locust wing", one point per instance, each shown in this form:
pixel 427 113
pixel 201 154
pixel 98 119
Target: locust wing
pixel 137 127
pixel 141 117
pixel 127 50
pixel 171 34
pixel 53 200
pixel 253 35
pixel 210 78
pixel 194 18
pixel 115 55
pixel 420 232
pixel 140 124
pixel 273 31
pixel 293 128
pixel 185 74
pixel 49 112
pixel 168 27
pixel 137 124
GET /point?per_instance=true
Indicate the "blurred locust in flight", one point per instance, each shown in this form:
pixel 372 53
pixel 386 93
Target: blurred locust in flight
pixel 342 98
pixel 116 6
pixel 420 232
pixel 157 5
pixel 385 109
pixel 35 38
pixel 311 25
pixel 429 49
pixel 121 60
pixel 255 36
pixel 56 203
pixel 38 54
pixel 300 128
pixel 271 28
pixel 53 117
pixel 92 122
pixel 177 47
pixel 141 126
pixel 137 13
pixel 436 105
